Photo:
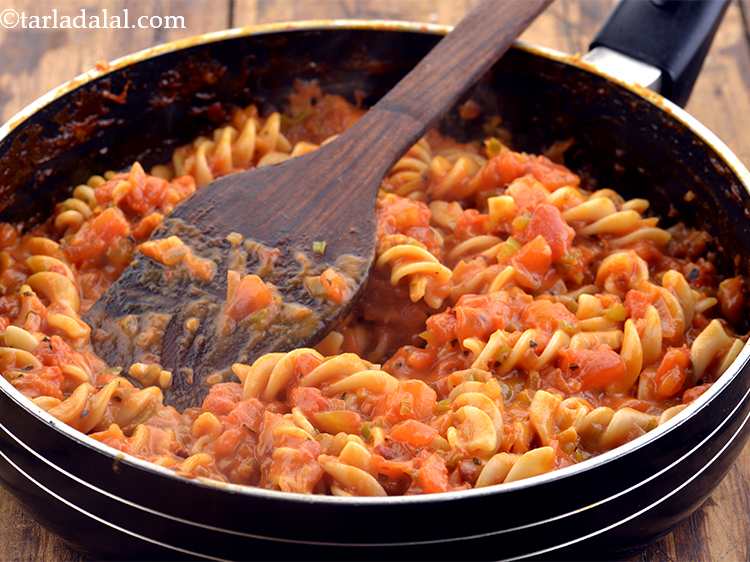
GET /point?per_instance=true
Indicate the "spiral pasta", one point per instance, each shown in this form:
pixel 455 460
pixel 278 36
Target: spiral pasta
pixel 350 480
pixel 713 344
pixel 603 428
pixel 515 321
pixel 246 142
pixel 508 467
pixel 409 175
pixel 476 416
pixel 117 402
pixel 423 271
pixel 54 280
pixel 605 213
pixel 270 373
pixel 451 174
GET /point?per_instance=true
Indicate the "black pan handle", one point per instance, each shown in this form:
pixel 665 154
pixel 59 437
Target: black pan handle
pixel 671 35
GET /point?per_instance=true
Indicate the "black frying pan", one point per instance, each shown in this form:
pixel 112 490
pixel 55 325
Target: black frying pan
pixel 626 137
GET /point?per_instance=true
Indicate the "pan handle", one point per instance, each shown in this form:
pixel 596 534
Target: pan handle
pixel 670 36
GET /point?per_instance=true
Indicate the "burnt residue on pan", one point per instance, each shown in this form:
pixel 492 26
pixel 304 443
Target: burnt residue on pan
pixel 143 111
pixel 626 142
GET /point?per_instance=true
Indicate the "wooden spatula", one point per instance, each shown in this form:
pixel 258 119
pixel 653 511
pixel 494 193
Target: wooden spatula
pixel 158 314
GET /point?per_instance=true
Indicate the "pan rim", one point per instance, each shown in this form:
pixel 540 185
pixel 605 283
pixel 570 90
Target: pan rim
pixel 680 115
pixel 523 556
pixel 485 534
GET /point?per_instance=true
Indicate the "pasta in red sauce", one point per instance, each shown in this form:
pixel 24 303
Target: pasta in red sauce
pixel 517 321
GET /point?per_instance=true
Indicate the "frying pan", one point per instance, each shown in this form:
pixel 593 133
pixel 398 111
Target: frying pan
pixel 626 136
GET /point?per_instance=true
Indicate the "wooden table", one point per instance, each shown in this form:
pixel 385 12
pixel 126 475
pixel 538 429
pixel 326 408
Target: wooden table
pixel 33 61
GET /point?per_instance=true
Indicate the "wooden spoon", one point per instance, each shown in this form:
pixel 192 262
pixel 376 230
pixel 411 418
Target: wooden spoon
pixel 157 313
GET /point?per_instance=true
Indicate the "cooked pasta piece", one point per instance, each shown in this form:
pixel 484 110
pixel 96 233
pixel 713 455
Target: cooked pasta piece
pixel 246 142
pixel 451 174
pixel 409 175
pixel 424 271
pixel 713 344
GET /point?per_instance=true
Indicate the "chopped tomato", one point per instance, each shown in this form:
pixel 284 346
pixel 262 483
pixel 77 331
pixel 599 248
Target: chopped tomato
pixel 547 222
pixel 431 238
pixel 110 225
pixel 112 436
pixel 595 368
pixel 442 327
pixel 467 271
pixel 390 468
pixel 227 442
pixel 414 433
pixel 672 372
pixel 222 398
pixel 308 399
pixel 550 175
pixel 334 284
pixel 509 165
pixel 103 193
pixel 527 192
pixel 144 194
pixel 398 214
pixel 46 382
pixel 433 475
pixel 480 315
pixel 318 116
pixel 247 413
pixel 251 295
pixel 147 225
pixel 179 189
pixel 411 362
pixel 420 359
pixel 473 322
pixel 635 403
pixel 413 400
pixel 471 223
pixel 305 363
pixel 200 268
pixel 532 262
pixel 138 193
pixel 94 238
pixel 170 251
pixel 502 169
pixel 636 303
pixel 547 316
pixel 296 469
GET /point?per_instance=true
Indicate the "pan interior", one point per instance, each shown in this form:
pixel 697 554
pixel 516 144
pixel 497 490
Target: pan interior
pixel 142 111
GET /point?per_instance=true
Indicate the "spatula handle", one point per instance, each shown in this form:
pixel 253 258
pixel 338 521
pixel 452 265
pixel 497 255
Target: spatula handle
pixel 436 83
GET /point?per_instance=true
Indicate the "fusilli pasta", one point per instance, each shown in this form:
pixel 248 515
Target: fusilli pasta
pixel 516 321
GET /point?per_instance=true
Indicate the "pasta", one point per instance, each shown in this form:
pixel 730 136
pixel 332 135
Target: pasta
pixel 409 174
pixel 424 271
pixel 516 321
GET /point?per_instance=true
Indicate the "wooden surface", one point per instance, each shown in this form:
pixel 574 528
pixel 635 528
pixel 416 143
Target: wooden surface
pixel 33 61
